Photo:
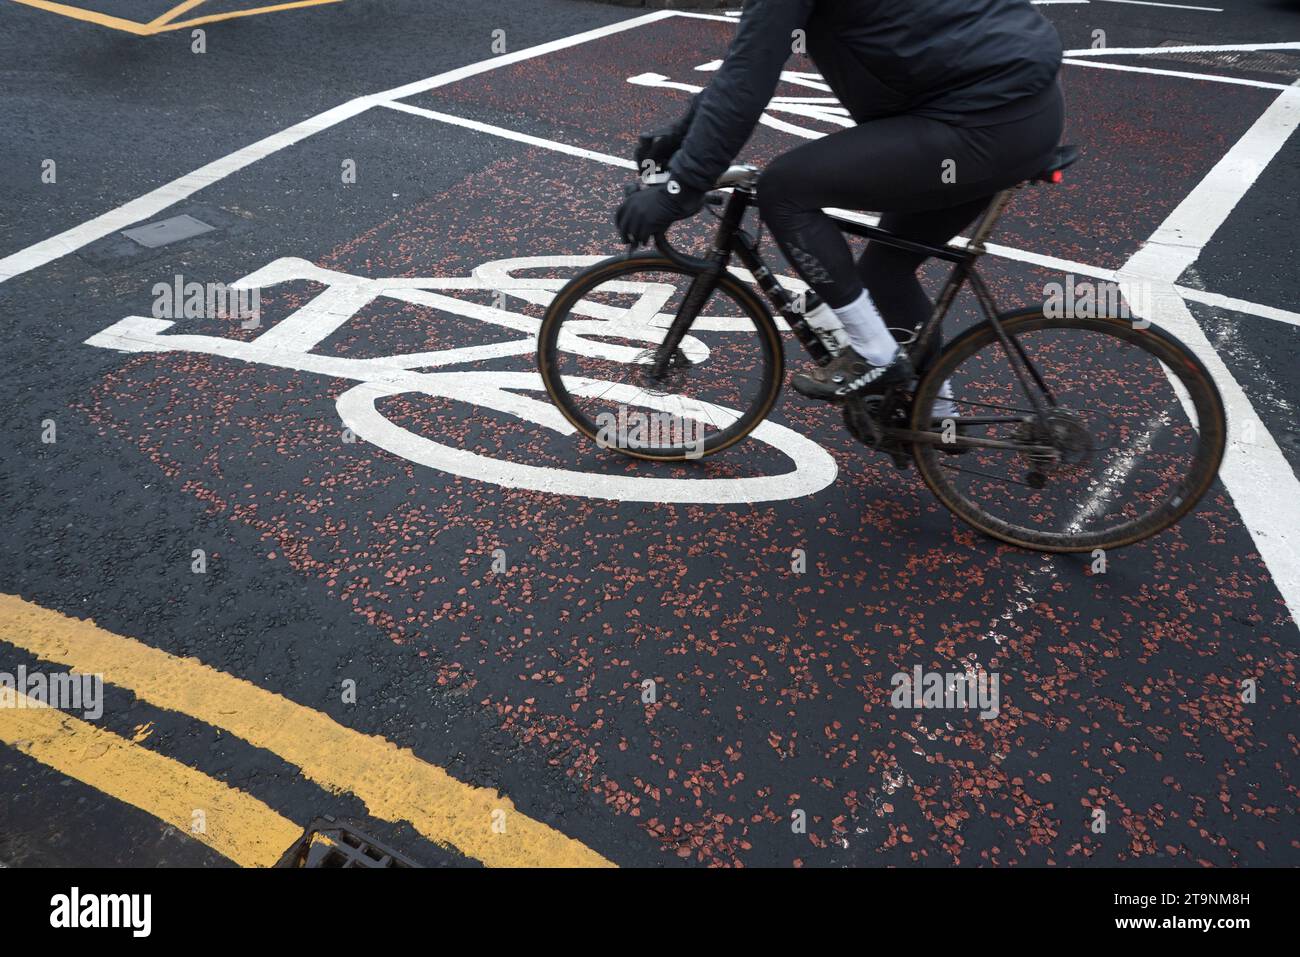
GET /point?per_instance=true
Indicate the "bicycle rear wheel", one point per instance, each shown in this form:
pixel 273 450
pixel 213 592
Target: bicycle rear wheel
pixel 1133 436
pixel 597 344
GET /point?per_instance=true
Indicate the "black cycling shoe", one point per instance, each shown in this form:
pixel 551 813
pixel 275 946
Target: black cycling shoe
pixel 850 376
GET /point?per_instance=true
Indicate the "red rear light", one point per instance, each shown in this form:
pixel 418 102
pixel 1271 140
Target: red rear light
pixel 1057 176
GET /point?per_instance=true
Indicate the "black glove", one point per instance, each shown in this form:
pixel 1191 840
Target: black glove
pixel 657 148
pixel 649 211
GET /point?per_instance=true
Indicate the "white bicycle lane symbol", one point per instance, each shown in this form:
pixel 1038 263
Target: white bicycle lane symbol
pixel 824 112
pixel 288 344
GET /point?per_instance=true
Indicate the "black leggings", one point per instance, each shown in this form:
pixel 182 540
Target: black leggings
pixel 928 178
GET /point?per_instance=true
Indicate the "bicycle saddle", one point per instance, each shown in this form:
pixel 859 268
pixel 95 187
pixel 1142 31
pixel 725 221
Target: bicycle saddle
pixel 1063 157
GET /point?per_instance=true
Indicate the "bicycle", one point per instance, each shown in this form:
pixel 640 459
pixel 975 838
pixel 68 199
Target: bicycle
pixel 1053 425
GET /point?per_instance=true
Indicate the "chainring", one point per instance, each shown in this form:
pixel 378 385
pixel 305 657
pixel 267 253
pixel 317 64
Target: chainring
pixel 860 419
pixel 863 417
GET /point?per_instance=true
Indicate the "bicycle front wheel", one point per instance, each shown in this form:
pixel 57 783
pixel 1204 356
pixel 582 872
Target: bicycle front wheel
pixel 597 348
pixel 1131 437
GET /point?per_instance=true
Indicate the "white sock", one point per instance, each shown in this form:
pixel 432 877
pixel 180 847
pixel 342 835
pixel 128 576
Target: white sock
pixel 944 407
pixel 867 332
pixel 828 327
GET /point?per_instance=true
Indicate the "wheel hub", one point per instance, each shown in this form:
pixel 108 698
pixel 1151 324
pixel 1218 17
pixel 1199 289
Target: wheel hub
pixel 674 373
pixel 1067 441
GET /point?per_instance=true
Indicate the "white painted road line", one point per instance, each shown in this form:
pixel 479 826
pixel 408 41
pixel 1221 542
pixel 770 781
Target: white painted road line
pixel 518 137
pixel 506 59
pixel 995 249
pixel 1174 6
pixel 1179 240
pixel 1219 192
pixel 1239 305
pixel 1261 481
pixel 1182 74
pixel 1192 48
pixel 155 201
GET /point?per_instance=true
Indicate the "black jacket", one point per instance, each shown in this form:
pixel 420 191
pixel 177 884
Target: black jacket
pixel 942 58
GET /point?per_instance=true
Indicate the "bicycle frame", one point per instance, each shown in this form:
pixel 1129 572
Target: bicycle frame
pixel 1044 434
pixel 730 239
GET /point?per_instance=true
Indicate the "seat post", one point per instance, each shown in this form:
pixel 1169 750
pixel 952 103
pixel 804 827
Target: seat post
pixel 992 213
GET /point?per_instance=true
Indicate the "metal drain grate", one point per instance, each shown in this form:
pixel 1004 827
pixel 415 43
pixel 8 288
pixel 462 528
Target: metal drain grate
pixel 1277 62
pixel 329 843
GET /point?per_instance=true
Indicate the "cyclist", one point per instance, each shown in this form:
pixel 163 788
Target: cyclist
pixel 954 100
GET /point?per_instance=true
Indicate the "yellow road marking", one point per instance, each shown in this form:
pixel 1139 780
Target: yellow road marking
pixel 165 22
pixel 394 784
pixel 90 16
pixel 234 823
pixel 248 13
pixel 176 11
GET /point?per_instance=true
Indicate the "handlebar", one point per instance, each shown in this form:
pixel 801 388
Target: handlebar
pixel 674 255
pixel 736 177
pixel 685 260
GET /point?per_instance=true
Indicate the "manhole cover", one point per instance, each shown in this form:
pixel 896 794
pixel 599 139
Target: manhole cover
pixel 167 231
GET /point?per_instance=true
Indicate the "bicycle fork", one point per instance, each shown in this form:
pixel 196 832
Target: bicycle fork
pixel 729 239
pixel 702 287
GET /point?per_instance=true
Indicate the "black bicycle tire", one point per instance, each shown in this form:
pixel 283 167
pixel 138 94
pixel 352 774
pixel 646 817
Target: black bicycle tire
pixel 603 272
pixel 1212 429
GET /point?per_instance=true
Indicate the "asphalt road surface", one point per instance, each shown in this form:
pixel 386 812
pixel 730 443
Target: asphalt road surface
pixel 308 591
